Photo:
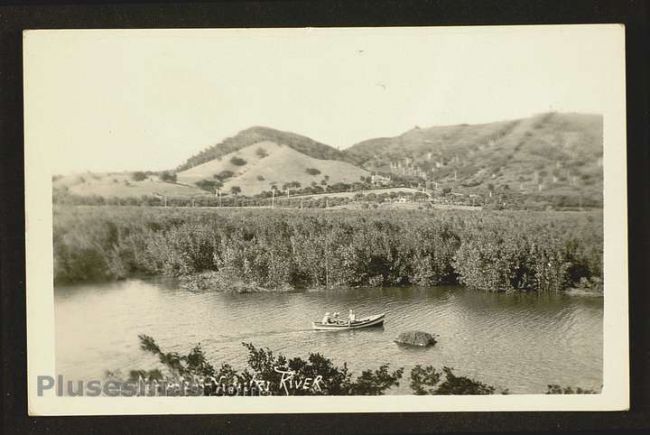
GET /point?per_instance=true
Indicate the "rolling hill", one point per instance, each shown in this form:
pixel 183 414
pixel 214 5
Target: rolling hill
pixel 552 154
pixel 255 135
pixel 121 185
pixel 261 165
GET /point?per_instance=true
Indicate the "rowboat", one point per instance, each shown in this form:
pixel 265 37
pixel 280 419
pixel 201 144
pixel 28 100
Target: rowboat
pixel 364 322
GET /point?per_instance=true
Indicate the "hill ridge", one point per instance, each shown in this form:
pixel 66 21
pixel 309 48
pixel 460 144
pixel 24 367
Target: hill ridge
pixel 548 154
pixel 548 151
pixel 254 134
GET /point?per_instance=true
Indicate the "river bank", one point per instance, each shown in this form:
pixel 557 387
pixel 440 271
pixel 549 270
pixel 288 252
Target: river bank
pixel 280 250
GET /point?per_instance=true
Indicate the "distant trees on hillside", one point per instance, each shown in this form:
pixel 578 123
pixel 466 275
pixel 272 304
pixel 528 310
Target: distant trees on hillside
pixel 288 187
pixel 209 185
pixel 312 171
pixel 237 161
pixel 139 176
pixel 168 177
pixel 261 152
pixel 223 175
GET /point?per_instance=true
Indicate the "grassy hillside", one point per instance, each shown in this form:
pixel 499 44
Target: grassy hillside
pixel 254 135
pixel 121 185
pixel 286 165
pixel 237 162
pixel 262 165
pixel 549 159
pixel 545 154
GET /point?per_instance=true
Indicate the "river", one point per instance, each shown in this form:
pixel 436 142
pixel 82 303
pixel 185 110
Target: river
pixel 522 342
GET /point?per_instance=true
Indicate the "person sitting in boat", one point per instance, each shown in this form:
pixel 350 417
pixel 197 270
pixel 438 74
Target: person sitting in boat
pixel 336 318
pixel 326 318
pixel 352 317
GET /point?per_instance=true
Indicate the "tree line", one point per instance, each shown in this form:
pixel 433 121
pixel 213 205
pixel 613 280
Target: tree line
pixel 294 249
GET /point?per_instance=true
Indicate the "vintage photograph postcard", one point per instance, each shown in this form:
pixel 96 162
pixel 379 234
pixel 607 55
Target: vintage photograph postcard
pixel 304 220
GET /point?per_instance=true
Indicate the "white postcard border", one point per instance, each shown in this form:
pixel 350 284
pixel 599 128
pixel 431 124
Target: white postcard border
pixel 40 300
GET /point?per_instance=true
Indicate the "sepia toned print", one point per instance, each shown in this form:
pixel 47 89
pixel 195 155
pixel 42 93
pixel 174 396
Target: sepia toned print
pixel 240 217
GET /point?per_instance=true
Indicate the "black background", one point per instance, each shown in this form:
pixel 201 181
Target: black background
pixel 17 16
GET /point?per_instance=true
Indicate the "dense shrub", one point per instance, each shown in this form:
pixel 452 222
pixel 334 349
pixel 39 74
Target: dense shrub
pixel 273 248
pixel 168 177
pixel 265 370
pixel 208 185
pixel 224 175
pixel 139 176
pixel 312 171
pixel 237 161
pixel 427 380
pixel 265 366
pixel 544 255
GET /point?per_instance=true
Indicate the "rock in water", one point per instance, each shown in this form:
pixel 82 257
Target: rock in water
pixel 416 338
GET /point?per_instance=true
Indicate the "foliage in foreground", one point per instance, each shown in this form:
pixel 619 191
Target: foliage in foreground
pixel 427 380
pixel 263 366
pixel 280 249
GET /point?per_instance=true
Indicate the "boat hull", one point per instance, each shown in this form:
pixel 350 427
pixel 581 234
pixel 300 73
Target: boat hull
pixel 366 322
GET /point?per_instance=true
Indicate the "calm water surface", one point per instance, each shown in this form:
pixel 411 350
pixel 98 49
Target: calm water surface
pixel 521 342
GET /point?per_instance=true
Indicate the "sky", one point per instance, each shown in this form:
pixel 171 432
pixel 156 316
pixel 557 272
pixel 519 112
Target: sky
pixel 113 100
